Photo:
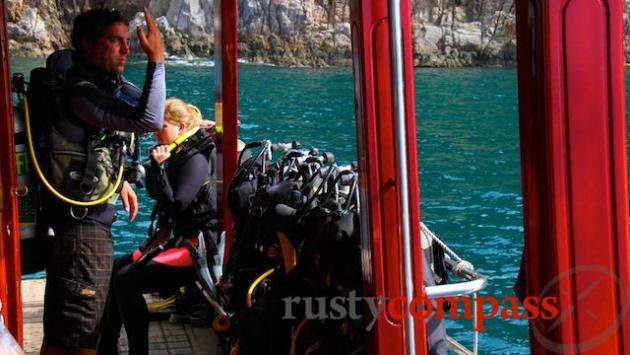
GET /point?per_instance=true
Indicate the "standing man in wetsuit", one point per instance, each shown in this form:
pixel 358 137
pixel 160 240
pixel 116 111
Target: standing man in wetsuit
pixel 79 272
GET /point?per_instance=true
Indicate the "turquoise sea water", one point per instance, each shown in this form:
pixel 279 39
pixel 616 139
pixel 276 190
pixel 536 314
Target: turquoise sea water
pixel 468 152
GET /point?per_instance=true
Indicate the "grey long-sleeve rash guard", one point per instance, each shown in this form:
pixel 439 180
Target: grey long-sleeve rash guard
pixel 94 106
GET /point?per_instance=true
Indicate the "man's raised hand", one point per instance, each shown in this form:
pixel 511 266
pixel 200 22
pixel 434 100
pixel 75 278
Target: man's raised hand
pixel 151 42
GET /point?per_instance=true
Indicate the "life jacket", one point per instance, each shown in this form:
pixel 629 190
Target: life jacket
pixel 82 163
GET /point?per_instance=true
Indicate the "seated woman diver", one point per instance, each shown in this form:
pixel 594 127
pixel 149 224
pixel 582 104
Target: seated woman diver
pixel 180 180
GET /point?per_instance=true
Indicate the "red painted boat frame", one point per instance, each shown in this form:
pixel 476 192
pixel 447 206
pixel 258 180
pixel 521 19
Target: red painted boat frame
pixel 381 232
pixel 573 156
pixel 574 172
pixel 10 269
pixel 227 53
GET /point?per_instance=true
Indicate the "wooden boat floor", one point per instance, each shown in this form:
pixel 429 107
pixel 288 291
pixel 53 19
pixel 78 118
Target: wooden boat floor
pixel 164 337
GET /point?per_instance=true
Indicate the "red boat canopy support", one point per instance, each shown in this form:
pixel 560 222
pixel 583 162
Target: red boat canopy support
pixel 226 100
pixel 10 272
pixel 379 169
pixel 574 172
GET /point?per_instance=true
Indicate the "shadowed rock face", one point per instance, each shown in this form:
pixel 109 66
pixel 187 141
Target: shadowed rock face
pixel 446 33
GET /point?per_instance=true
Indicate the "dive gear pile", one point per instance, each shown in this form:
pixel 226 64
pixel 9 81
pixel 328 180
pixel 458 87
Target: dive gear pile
pixel 296 235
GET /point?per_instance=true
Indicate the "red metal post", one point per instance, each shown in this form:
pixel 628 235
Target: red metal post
pixel 574 172
pixel 10 272
pixel 226 43
pixel 378 165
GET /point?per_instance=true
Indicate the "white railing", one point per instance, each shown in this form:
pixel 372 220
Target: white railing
pixel 473 283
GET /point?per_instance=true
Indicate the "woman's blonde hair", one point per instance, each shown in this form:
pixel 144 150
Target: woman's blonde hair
pixel 178 112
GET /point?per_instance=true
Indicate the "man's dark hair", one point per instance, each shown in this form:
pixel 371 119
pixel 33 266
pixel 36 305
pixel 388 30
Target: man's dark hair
pixel 92 25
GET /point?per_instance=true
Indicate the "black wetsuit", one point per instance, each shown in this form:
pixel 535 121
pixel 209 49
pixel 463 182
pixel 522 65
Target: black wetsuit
pixel 91 103
pixel 81 257
pixel 178 189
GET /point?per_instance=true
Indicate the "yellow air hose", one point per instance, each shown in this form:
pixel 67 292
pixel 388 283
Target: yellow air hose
pixel 154 307
pixel 181 139
pixel 45 182
pixel 254 284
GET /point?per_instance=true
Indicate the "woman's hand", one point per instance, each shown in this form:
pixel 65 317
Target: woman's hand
pixel 207 124
pixel 160 153
pixel 152 42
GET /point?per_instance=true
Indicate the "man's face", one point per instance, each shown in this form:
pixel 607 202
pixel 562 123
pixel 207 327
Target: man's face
pixel 110 52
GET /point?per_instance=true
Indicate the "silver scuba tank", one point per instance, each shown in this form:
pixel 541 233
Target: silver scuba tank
pixel 26 179
pixel 34 235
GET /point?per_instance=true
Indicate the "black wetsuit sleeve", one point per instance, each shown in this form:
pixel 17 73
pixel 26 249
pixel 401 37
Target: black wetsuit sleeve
pixel 148 177
pixel 175 191
pixel 95 107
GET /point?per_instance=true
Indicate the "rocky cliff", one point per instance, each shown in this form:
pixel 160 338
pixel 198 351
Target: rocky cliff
pixel 446 33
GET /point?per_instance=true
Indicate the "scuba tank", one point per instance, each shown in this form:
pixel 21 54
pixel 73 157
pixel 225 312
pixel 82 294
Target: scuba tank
pixel 33 238
pixel 26 180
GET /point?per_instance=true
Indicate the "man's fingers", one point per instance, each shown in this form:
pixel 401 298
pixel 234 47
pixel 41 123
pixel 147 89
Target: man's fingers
pixel 147 15
pixel 151 24
pixel 141 36
pixel 133 215
pixel 133 210
pixel 125 202
pixel 151 40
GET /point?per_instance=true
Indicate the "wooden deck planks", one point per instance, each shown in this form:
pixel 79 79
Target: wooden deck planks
pixel 164 338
